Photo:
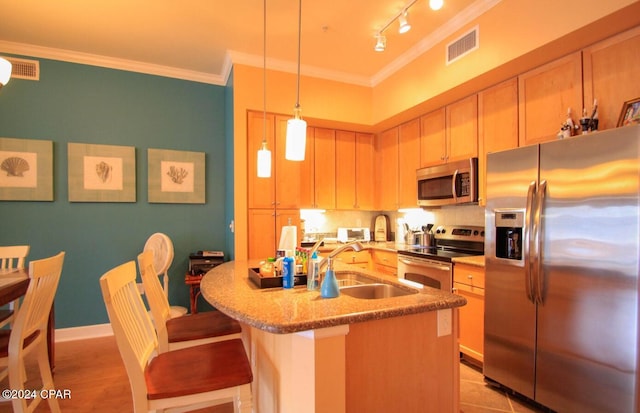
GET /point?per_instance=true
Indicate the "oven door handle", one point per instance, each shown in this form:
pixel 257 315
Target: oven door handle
pixel 442 267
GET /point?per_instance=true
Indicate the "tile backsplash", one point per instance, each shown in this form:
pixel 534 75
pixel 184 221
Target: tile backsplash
pixel 327 223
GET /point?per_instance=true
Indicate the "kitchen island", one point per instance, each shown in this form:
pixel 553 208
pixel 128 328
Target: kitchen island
pixel 345 354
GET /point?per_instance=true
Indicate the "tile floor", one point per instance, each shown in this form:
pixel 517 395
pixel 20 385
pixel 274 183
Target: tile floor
pixel 478 397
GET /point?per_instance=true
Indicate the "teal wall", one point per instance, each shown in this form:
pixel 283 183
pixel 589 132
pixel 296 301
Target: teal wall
pixel 86 104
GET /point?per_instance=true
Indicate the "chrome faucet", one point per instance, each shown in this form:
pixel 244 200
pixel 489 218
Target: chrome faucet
pixel 354 245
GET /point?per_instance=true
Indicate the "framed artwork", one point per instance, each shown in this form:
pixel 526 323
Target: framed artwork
pixel 101 173
pixel 176 176
pixel 26 170
pixel 630 113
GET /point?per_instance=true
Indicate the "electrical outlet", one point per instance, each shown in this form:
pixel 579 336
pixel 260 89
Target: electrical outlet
pixel 444 322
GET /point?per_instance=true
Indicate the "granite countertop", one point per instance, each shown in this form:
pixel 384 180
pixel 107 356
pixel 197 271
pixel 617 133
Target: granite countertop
pixel 228 288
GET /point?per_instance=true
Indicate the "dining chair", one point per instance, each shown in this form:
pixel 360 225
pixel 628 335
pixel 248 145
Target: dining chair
pixel 12 257
pixel 189 378
pixel 162 248
pixel 29 334
pixel 185 331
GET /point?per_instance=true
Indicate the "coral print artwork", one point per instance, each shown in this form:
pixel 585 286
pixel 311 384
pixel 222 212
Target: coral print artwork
pixel 177 176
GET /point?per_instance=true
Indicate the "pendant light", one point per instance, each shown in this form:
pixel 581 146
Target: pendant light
pixel 296 127
pixel 5 71
pixel 264 154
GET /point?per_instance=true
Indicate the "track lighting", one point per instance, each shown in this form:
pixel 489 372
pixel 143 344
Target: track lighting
pixel 381 42
pixel 436 4
pixel 403 23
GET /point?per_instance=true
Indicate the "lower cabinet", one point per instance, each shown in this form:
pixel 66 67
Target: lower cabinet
pixel 359 259
pixel 468 281
pixel 384 261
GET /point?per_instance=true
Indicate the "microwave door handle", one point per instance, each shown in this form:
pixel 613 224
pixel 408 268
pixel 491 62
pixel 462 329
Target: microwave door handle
pixel 454 186
pixel 526 242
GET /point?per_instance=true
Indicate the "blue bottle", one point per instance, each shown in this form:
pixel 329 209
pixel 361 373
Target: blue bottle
pixel 288 270
pixel 329 288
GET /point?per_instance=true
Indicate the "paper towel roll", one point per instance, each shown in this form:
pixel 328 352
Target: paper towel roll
pixel 288 238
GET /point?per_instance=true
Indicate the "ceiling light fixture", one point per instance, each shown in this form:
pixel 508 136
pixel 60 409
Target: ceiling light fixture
pixel 5 71
pixel 436 4
pixel 403 23
pixel 381 42
pixel 296 127
pixel 264 154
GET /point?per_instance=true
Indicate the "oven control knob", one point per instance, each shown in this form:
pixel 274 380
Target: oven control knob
pixel 442 231
pixel 475 232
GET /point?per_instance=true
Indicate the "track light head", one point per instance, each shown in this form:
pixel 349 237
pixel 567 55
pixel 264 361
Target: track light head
pixel 436 4
pixel 381 42
pixel 404 24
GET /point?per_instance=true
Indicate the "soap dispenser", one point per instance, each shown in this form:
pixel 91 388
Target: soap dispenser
pixel 329 288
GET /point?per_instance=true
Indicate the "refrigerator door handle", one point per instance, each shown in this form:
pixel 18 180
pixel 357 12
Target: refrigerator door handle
pixel 526 244
pixel 538 272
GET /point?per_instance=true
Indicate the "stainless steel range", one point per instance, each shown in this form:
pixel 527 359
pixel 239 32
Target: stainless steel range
pixel 432 266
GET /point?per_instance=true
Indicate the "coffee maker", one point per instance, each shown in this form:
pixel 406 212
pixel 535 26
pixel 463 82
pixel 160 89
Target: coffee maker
pixel 509 226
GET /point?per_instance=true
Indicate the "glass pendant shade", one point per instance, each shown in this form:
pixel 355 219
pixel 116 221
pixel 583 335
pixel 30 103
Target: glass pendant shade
pixel 264 162
pixel 5 71
pixel 296 139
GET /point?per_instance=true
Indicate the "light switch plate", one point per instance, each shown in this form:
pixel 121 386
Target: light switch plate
pixel 444 322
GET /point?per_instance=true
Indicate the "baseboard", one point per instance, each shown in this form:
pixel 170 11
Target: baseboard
pixel 83 333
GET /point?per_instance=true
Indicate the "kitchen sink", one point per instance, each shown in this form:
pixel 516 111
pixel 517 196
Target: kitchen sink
pixel 346 279
pixel 375 291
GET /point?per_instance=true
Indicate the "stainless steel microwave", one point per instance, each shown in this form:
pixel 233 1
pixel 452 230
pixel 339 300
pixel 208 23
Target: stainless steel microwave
pixel 448 184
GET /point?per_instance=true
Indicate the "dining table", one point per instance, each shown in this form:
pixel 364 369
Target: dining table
pixel 13 285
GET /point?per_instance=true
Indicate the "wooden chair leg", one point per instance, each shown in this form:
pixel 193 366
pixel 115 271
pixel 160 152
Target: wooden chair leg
pixel 243 402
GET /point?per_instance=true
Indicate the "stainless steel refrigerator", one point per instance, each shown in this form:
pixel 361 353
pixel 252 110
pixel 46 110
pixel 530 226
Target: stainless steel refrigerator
pixel 562 251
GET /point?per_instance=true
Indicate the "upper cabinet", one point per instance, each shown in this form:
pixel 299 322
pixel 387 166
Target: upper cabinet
pixel 611 75
pixel 497 125
pixel 545 95
pixel 408 162
pixel 324 168
pixel 386 182
pixel 450 133
pixel 354 170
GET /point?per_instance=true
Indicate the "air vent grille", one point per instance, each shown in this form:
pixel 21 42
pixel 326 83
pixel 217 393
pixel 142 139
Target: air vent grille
pixel 462 46
pixel 24 69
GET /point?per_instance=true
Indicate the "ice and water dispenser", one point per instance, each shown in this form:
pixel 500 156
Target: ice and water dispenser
pixel 509 225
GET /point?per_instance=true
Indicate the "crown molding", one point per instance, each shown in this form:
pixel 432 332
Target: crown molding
pixel 111 62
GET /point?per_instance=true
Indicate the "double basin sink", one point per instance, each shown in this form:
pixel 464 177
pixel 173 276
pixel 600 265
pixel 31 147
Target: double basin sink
pixel 360 286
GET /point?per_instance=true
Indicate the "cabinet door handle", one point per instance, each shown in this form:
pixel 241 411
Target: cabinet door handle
pixel 470 277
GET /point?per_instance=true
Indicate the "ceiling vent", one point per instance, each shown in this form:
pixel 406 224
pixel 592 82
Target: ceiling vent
pixel 463 45
pixel 24 69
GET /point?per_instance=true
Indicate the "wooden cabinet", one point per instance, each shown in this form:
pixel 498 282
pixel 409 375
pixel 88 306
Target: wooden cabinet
pixel 386 183
pixel 384 261
pixel 610 71
pixel 433 138
pixel 468 281
pixel 450 133
pixel 360 259
pixel 324 143
pixel 497 125
pixel 462 129
pixel 354 170
pixel 265 226
pixel 545 95
pixel 283 188
pixel 408 162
